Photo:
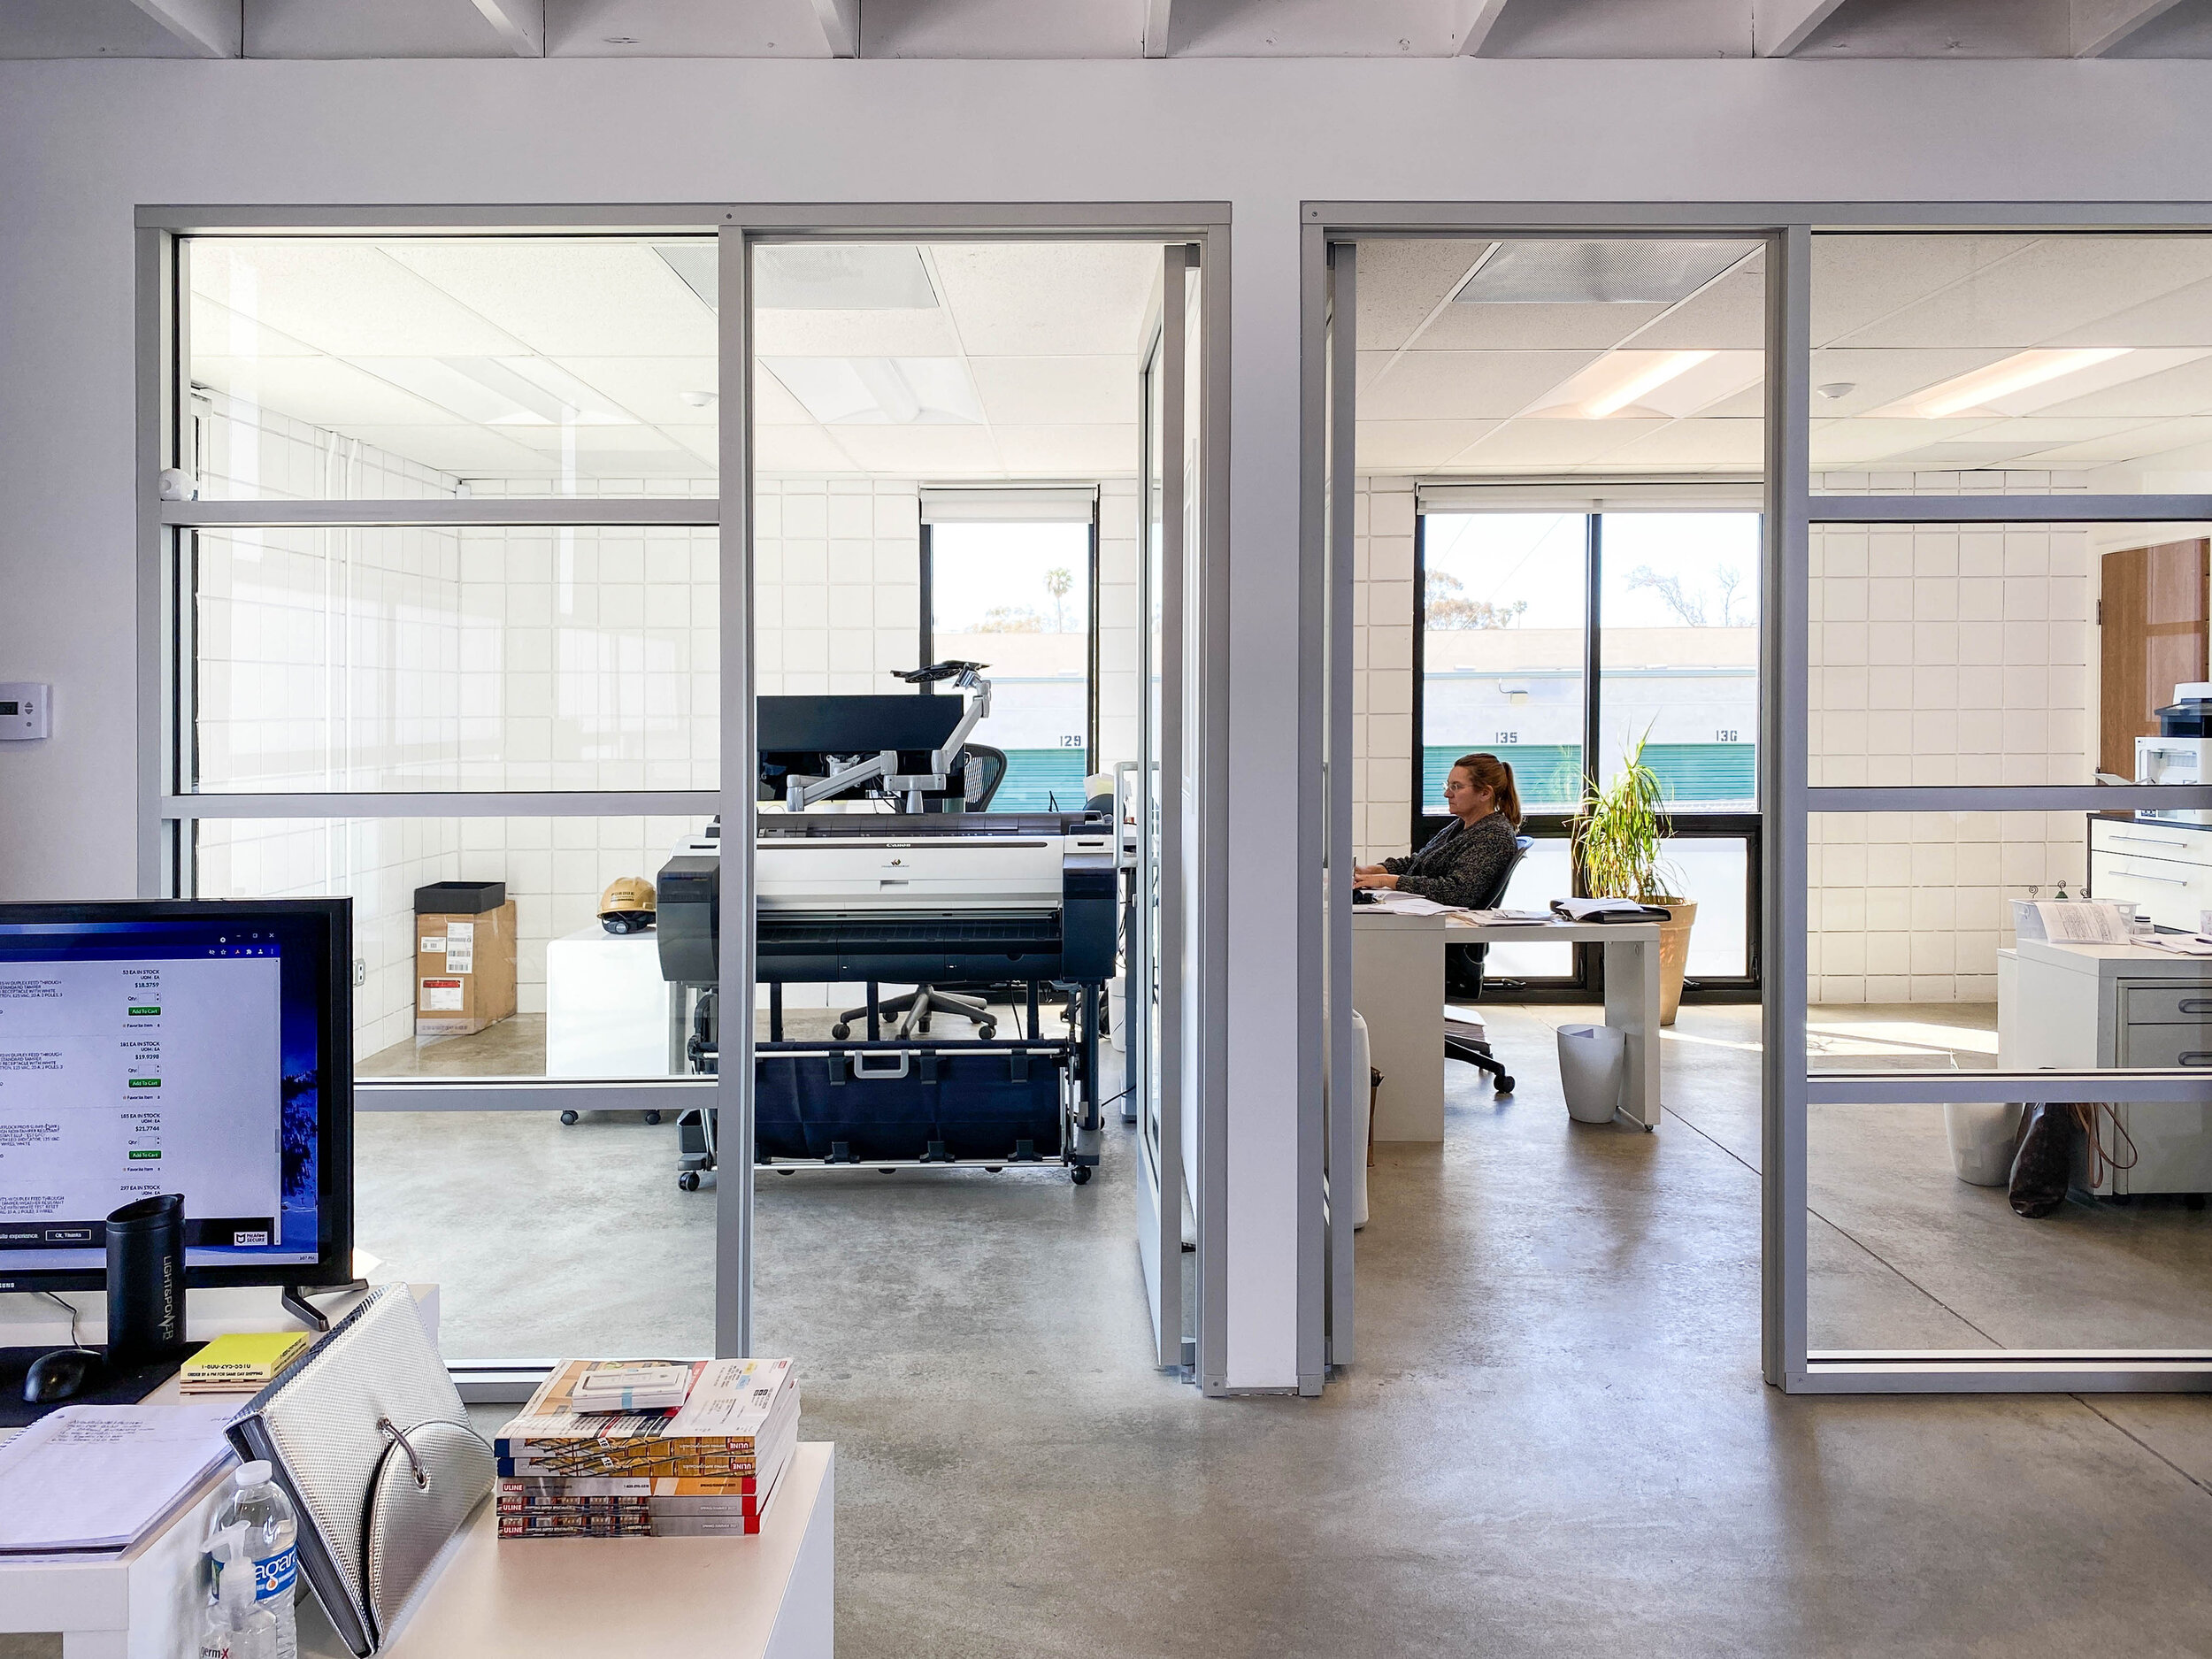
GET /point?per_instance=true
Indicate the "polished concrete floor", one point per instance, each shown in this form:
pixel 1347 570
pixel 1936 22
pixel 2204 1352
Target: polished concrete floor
pixel 1554 1440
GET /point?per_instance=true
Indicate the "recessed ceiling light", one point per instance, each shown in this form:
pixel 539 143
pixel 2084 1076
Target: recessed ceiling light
pixel 2014 374
pixel 881 391
pixel 1649 378
pixel 846 277
pixel 1597 273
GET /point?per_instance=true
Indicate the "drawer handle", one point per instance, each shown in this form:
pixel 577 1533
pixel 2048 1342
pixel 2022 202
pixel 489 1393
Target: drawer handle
pixel 2165 881
pixel 2196 1005
pixel 2197 1056
pixel 2149 840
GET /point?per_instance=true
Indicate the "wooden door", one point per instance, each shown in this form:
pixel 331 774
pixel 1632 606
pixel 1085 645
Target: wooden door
pixel 2152 629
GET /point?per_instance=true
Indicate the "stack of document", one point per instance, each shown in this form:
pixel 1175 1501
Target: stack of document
pixel 709 1468
pixel 89 1480
pixel 243 1363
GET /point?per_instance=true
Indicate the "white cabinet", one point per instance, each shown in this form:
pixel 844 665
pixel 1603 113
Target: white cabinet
pixel 2100 1007
pixel 2166 868
pixel 607 1012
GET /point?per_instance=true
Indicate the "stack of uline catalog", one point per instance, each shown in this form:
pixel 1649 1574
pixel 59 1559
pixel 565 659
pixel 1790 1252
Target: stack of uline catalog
pixel 597 1454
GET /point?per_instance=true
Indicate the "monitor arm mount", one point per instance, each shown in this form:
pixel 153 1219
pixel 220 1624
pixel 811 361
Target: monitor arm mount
pixel 800 794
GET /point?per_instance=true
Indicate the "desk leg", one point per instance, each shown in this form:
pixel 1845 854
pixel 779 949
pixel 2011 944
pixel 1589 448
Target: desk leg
pixel 1632 1006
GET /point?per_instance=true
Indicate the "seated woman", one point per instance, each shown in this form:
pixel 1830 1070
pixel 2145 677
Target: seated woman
pixel 1462 863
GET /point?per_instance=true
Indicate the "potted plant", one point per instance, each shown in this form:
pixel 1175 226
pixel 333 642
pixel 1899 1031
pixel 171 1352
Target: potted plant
pixel 1618 834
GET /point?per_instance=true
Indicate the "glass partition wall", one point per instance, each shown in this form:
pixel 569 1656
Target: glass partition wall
pixel 460 567
pixel 1976 622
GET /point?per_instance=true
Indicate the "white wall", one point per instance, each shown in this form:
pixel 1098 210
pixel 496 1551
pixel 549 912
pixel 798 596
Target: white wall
pixel 85 143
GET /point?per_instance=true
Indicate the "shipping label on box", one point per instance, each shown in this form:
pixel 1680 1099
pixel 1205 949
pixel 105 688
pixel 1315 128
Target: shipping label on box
pixel 441 995
pixel 464 971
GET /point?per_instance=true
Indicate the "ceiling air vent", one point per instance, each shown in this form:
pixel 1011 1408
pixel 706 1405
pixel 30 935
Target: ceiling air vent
pixel 1597 273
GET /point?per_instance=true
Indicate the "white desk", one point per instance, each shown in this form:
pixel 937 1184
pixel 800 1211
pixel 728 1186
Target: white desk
pixel 1398 987
pixel 770 1596
pixel 607 1012
pixel 146 1604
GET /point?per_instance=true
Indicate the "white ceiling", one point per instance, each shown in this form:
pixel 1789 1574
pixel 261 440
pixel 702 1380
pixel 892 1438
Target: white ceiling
pixel 1106 28
pixel 1451 387
pixel 594 358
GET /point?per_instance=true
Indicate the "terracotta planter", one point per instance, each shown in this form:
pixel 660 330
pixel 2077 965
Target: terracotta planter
pixel 1674 955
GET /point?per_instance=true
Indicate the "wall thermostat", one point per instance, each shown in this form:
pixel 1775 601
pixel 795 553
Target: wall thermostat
pixel 25 708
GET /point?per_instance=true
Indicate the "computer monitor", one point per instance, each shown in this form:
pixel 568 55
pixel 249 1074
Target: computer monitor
pixel 201 1047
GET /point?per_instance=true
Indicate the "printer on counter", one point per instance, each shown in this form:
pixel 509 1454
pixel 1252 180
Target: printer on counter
pixel 2181 752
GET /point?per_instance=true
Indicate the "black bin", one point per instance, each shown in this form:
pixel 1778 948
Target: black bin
pixel 459 898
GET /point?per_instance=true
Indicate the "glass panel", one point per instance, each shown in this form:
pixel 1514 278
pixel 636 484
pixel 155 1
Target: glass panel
pixel 2020 363
pixel 1017 597
pixel 1912 1243
pixel 1504 602
pixel 376 368
pixel 1917 960
pixel 1711 870
pixel 547 992
pixel 2005 653
pixel 1545 874
pixel 456 659
pixel 1679 649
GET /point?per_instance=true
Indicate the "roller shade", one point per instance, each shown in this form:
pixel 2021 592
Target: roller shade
pixel 1595 495
pixel 1056 506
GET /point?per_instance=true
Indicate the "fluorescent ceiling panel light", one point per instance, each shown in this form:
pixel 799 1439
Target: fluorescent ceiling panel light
pixel 1618 382
pixel 537 393
pixel 2003 380
pixel 1597 273
pixel 436 382
pixel 856 277
pixel 881 391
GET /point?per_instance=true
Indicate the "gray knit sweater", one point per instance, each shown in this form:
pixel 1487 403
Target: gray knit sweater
pixel 1460 864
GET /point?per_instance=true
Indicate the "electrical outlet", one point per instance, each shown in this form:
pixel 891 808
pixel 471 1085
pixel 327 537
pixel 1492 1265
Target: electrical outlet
pixel 360 972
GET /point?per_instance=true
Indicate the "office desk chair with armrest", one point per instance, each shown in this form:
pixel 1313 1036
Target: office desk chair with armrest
pixel 986 770
pixel 1462 977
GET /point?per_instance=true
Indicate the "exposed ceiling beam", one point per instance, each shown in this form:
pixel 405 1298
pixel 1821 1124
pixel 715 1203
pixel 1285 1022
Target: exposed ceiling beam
pixel 1778 27
pixel 1482 17
pixel 214 28
pixel 1155 17
pixel 521 23
pixel 2101 24
pixel 841 26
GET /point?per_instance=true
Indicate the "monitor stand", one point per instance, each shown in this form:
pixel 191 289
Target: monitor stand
pixel 296 1303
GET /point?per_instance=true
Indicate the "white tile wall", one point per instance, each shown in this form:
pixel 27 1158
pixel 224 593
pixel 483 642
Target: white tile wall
pixel 1119 626
pixel 1382 667
pixel 837 592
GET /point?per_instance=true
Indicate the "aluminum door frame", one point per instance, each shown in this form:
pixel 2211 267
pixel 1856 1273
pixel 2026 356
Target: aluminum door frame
pixel 1784 792
pixel 1205 227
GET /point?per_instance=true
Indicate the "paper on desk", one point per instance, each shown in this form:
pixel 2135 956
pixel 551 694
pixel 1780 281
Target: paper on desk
pixel 1407 903
pixel 2083 922
pixel 2181 945
pixel 100 1477
pixel 1531 919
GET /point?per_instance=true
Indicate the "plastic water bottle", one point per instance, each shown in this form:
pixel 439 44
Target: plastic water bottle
pixel 238 1626
pixel 271 1543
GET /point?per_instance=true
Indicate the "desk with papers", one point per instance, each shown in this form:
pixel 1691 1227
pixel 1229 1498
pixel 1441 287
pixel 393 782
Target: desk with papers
pixel 1398 987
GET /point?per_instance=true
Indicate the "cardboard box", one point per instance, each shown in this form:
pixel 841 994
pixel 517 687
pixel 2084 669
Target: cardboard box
pixel 464 971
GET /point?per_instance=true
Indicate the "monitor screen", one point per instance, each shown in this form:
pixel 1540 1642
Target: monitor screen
pixel 176 1048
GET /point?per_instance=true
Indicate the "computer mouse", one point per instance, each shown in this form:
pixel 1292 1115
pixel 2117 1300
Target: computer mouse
pixel 62 1374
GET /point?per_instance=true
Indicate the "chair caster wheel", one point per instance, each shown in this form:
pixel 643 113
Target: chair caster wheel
pixel 840 1030
pixel 568 1118
pixel 1505 1086
pixel 652 1118
pixel 988 1030
pixel 993 1168
pixel 688 1180
pixel 1080 1174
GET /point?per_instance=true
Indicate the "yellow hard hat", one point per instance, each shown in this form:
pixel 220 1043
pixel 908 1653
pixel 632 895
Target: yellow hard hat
pixel 627 905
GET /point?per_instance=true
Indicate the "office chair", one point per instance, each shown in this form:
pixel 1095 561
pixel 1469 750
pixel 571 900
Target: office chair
pixel 1462 976
pixel 985 771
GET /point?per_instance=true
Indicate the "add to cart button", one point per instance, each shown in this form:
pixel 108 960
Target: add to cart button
pixel 145 1082
pixel 145 1010
pixel 145 1154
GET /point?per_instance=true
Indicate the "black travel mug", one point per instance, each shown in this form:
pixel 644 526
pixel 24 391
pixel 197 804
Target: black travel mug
pixel 146 1280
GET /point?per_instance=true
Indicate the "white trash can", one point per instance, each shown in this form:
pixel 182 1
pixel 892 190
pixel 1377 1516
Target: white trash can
pixel 1982 1133
pixel 1593 1059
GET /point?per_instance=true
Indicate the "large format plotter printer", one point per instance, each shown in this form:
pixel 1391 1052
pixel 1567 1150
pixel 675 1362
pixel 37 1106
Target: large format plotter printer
pixel 1005 903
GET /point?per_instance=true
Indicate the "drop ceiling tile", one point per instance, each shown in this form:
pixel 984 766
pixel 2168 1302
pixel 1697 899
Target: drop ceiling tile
pixel 2055 290
pixel 1880 376
pixel 1519 444
pixel 1856 280
pixel 1413 446
pixel 2146 442
pixel 220 331
pixel 588 298
pixel 1730 316
pixel 1069 451
pixel 1400 282
pixel 321 391
pixel 2183 390
pixel 1854 443
pixel 798 450
pixel 1026 299
pixel 1695 444
pixel 1460 385
pixel 1100 390
pixel 636 440
pixel 652 388
pixel 880 334
pixel 1535 328
pixel 341 297
pixel 921 451
pixel 773 405
pixel 2181 317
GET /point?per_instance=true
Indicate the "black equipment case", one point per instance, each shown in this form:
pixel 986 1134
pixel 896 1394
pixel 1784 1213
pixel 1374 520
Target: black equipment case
pixel 869 1102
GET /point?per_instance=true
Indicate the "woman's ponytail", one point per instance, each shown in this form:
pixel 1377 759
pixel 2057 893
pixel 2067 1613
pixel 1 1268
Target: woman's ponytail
pixel 1490 773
